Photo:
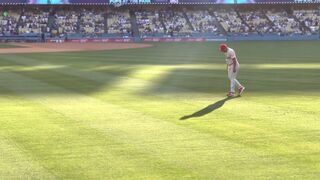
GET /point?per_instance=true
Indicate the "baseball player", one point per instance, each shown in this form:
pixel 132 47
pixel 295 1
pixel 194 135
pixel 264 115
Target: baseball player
pixel 233 69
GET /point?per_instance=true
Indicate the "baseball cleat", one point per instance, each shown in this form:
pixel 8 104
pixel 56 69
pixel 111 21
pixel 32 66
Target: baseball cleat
pixel 230 94
pixel 241 89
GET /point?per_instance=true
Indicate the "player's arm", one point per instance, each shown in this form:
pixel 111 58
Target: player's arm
pixel 234 63
pixel 234 60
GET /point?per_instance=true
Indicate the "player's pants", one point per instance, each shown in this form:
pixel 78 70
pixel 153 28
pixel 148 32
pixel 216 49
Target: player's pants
pixel 232 77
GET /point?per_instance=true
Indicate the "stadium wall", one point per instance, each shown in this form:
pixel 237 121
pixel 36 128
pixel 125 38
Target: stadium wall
pixel 273 38
pixel 21 38
pixel 37 38
pixel 236 38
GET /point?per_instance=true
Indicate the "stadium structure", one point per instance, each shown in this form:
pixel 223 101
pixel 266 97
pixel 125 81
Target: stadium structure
pixel 159 20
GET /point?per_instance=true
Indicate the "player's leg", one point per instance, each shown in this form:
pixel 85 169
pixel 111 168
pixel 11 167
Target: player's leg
pixel 232 83
pixel 238 84
pixel 231 76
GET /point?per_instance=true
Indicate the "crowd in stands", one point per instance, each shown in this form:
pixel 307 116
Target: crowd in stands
pixel 159 22
pixel 202 22
pixel 231 22
pixel 9 21
pixel 175 22
pixel 118 22
pixel 65 22
pixel 33 21
pixel 257 21
pixel 149 22
pixel 310 18
pixel 283 23
pixel 92 22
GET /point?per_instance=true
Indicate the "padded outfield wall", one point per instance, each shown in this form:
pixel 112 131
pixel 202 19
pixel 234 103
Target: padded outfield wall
pixel 135 39
pixel 155 1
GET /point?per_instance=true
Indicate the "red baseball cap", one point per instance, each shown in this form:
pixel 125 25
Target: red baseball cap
pixel 223 47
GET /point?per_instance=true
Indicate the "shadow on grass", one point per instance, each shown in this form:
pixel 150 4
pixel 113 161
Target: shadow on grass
pixel 208 109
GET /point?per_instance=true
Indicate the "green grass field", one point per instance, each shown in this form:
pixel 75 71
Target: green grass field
pixel 116 114
pixel 7 45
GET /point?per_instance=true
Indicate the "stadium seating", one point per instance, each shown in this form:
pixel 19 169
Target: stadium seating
pixel 159 22
pixel 66 22
pixel 9 21
pixel 283 23
pixel 119 22
pixel 175 22
pixel 149 23
pixel 310 18
pixel 92 22
pixel 33 20
pixel 231 22
pixel 202 21
pixel 256 21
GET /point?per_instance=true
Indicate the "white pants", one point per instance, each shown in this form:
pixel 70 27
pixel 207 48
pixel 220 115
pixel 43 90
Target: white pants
pixel 232 77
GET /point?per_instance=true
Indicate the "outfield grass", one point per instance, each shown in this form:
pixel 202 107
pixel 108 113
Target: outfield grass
pixel 8 45
pixel 116 114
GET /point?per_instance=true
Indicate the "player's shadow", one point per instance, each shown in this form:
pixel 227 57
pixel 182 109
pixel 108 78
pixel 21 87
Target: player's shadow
pixel 209 109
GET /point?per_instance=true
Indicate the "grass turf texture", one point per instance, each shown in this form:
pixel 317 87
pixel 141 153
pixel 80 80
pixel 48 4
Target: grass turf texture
pixel 6 45
pixel 116 114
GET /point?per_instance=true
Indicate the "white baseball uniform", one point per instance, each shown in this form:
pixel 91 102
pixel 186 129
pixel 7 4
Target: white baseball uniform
pixel 232 65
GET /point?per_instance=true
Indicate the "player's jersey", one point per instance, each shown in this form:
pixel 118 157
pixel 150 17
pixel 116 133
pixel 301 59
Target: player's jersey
pixel 230 54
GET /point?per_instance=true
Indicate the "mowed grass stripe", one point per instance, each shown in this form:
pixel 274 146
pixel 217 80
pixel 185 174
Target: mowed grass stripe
pixel 70 149
pixel 262 127
pixel 235 128
pixel 278 112
pixel 142 130
pixel 92 78
pixel 246 129
pixel 260 79
pixel 195 53
pixel 71 73
pixel 15 162
pixel 255 80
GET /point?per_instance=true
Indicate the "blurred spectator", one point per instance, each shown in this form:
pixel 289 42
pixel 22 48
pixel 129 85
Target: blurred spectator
pixel 149 22
pixel 283 23
pixel 34 20
pixel 92 22
pixel 119 22
pixel 257 21
pixel 175 22
pixel 202 22
pixel 231 22
pixel 310 18
pixel 9 21
pixel 156 21
pixel 66 22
